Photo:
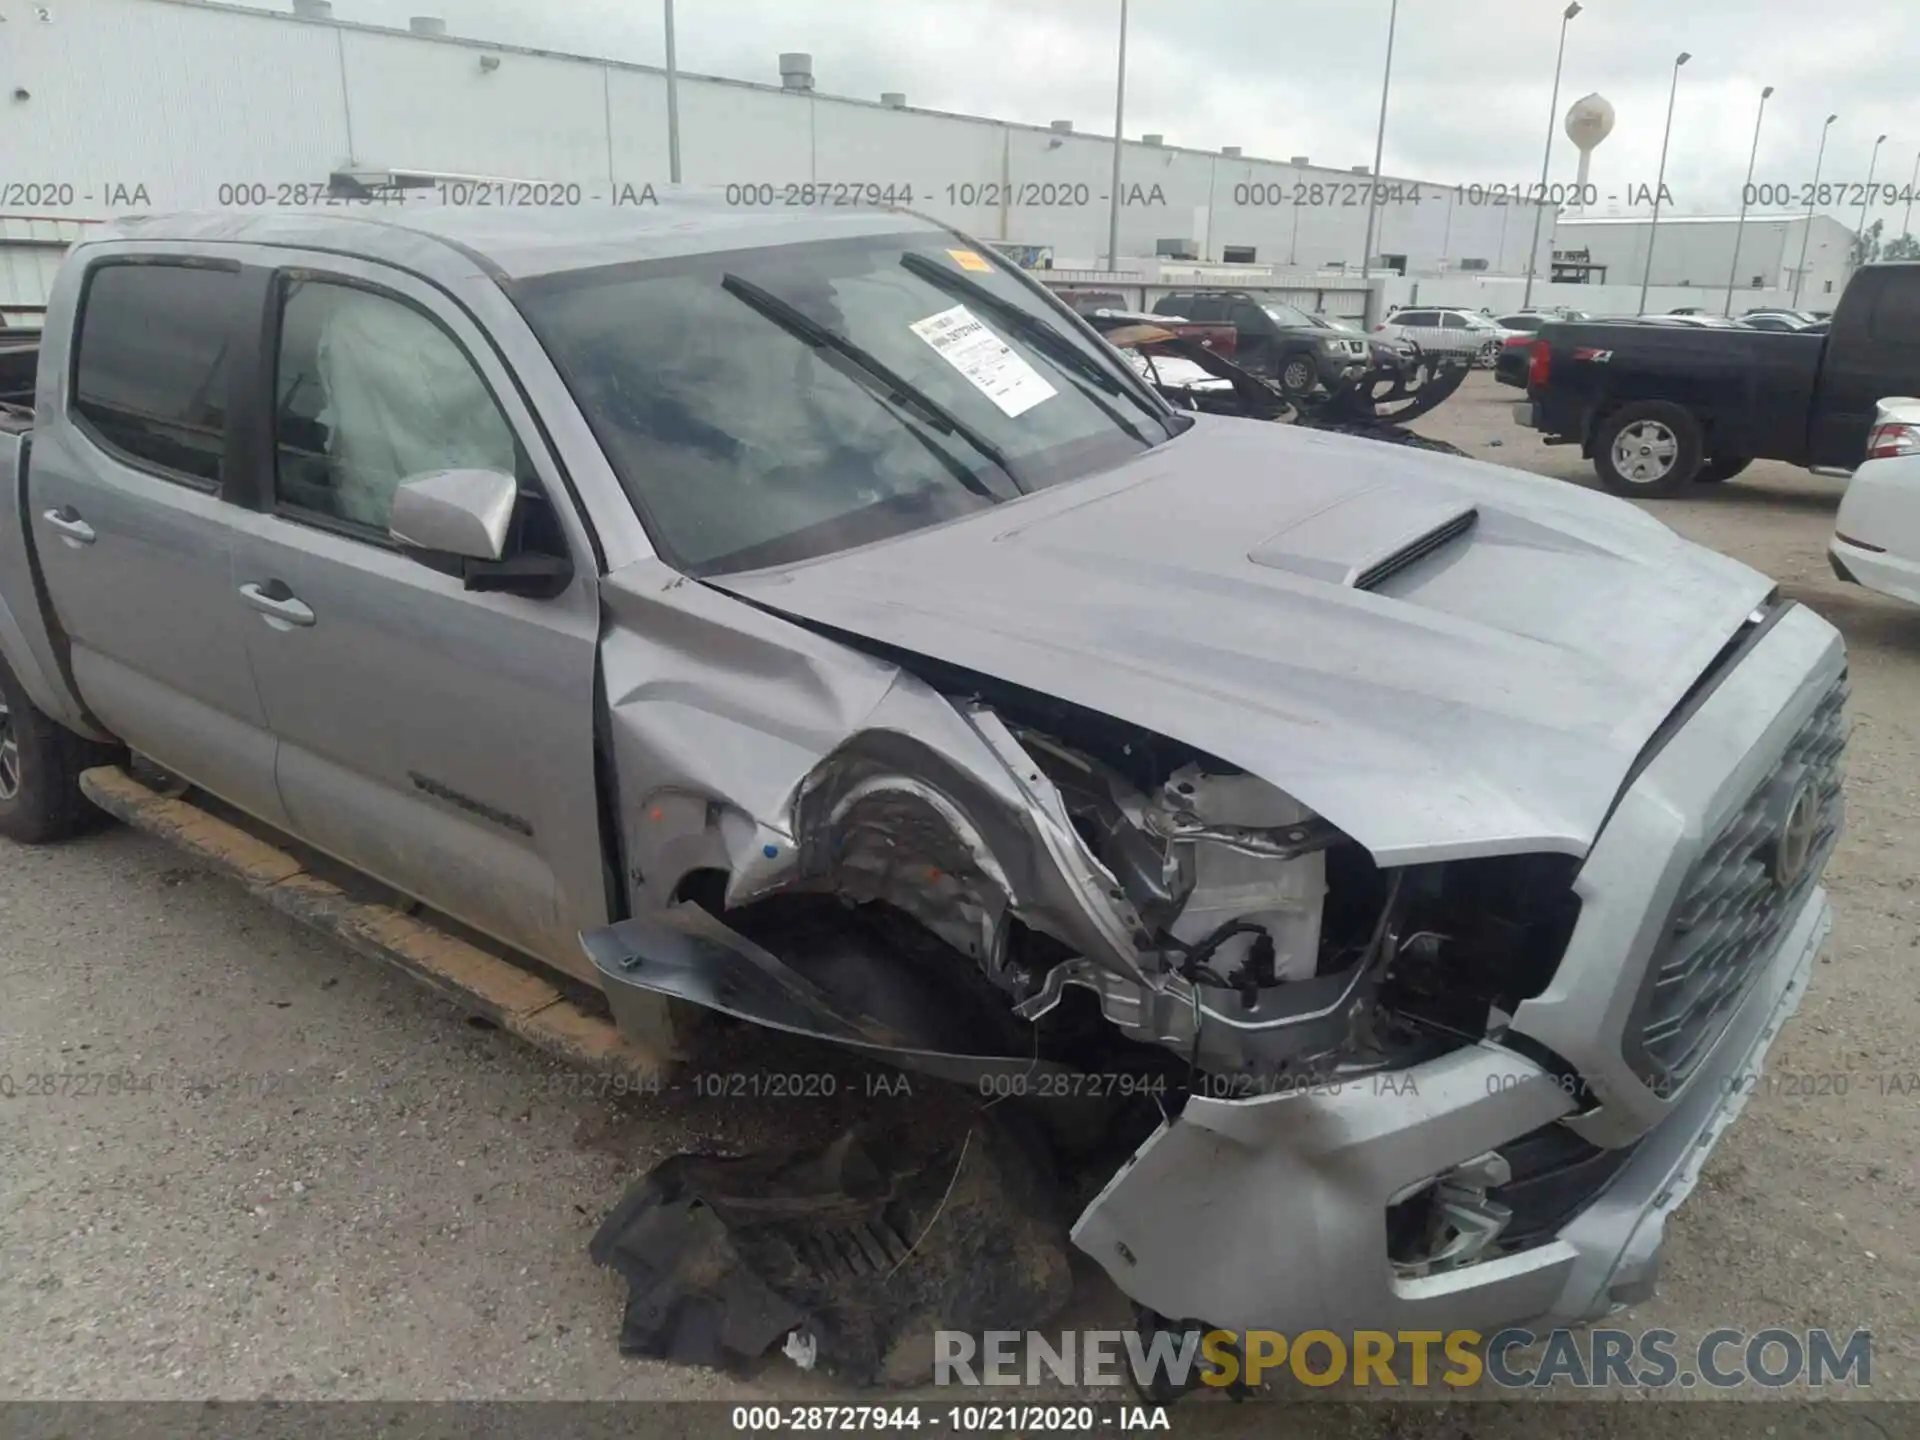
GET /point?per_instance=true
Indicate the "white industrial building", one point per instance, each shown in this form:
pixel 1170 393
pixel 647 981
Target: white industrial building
pixel 110 106
pixel 1698 251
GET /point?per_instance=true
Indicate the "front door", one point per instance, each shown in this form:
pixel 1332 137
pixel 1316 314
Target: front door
pixel 1253 343
pixel 134 537
pixel 438 738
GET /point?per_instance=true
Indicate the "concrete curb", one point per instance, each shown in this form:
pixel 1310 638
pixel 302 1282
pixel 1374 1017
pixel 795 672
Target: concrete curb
pixel 515 999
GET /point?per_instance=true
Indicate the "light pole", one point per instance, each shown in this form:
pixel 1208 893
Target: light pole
pixel 1866 200
pixel 1806 233
pixel 1119 115
pixel 1746 191
pixel 1673 92
pixel 1553 117
pixel 1906 225
pixel 1379 151
pixel 673 104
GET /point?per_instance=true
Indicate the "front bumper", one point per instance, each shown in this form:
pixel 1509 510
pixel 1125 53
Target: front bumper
pixel 1273 1212
pixel 1337 369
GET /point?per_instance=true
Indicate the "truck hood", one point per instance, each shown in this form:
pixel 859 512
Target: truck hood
pixel 1488 696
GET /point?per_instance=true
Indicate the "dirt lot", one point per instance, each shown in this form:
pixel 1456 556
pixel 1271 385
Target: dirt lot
pixel 404 1212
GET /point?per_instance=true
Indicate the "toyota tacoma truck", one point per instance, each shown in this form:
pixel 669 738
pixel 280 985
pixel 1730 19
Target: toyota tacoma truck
pixel 809 618
pixel 1656 407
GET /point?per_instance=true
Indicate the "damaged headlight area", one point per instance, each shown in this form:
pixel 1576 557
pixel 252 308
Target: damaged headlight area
pixel 1281 952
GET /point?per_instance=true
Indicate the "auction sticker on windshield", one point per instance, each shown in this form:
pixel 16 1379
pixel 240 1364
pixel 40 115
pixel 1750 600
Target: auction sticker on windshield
pixel 988 362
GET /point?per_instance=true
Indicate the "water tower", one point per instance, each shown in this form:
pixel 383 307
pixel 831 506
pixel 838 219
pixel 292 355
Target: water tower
pixel 1589 121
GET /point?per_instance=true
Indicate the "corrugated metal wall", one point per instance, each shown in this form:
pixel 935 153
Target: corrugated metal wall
pixel 1699 251
pixel 30 252
pixel 186 101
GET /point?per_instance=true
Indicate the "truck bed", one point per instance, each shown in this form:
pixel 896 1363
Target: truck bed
pixel 1753 389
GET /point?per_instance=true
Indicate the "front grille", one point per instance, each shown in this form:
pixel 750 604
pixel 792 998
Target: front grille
pixel 1736 901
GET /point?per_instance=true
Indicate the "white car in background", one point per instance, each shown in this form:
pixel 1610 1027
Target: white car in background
pixel 1876 536
pixel 1447 331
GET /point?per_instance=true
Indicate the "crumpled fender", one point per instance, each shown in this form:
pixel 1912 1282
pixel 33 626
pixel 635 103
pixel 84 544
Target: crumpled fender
pixel 745 743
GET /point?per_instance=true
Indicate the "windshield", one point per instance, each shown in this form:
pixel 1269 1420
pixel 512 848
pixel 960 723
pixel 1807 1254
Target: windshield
pixel 770 405
pixel 1282 314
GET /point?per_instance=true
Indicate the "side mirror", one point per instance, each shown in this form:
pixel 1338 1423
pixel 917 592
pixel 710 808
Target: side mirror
pixel 464 513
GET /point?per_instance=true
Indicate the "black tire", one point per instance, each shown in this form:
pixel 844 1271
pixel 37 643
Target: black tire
pixel 1721 467
pixel 1661 440
pixel 40 765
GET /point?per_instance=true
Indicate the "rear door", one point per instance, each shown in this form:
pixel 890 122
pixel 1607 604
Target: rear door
pixel 438 738
pixel 1872 353
pixel 1420 326
pixel 134 536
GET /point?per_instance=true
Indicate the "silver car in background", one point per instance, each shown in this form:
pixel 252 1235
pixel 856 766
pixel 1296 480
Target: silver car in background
pixel 1445 331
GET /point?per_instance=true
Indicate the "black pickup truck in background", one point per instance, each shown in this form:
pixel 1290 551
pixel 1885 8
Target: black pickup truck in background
pixel 1656 408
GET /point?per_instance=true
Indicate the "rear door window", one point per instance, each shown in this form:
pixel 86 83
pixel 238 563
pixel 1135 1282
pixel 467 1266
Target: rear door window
pixel 151 378
pixel 1896 312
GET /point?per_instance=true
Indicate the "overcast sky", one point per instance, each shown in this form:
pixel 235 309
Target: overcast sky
pixel 1471 84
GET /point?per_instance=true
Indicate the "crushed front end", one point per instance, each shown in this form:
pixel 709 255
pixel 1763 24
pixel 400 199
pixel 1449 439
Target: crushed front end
pixel 1528 1175
pixel 1344 1095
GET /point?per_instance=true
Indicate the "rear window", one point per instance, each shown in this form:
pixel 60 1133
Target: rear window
pixel 1896 311
pixel 1284 314
pixel 151 377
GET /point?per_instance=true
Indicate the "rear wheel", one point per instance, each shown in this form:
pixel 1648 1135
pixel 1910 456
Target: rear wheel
pixel 40 765
pixel 1488 355
pixel 1297 375
pixel 1722 467
pixel 1649 450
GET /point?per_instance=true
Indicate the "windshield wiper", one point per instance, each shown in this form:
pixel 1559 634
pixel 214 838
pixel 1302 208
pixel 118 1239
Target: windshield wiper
pixel 1055 342
pixel 876 377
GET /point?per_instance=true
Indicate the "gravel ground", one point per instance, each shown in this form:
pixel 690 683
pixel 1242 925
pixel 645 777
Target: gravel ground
pixel 403 1212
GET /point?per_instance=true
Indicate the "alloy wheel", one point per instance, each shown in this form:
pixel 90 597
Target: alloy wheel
pixel 9 755
pixel 1645 452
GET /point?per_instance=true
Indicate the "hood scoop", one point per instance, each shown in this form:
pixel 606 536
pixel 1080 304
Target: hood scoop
pixel 1364 540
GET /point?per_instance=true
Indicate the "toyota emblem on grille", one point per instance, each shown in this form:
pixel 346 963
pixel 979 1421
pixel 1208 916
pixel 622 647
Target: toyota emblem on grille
pixel 1794 845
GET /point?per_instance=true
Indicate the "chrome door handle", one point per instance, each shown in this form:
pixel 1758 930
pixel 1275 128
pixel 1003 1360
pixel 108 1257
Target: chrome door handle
pixel 67 521
pixel 281 611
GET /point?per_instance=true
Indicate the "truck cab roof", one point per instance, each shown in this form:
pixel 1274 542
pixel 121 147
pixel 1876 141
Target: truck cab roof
pixel 517 242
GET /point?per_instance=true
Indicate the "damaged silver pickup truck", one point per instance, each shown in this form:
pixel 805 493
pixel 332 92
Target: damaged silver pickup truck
pixel 809 618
